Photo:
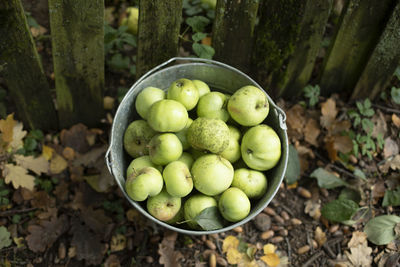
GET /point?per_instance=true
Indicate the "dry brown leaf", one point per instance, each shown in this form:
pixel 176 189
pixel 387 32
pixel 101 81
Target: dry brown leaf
pixel 378 190
pixel 390 148
pixel 311 132
pixel 395 163
pixel 101 182
pixel 42 200
pixel 330 148
pixel 320 236
pixel 360 253
pixel 340 126
pixel 18 176
pixel 90 158
pixel 166 249
pixel 118 242
pixel 112 261
pixel 44 235
pixel 7 127
pixel 343 143
pixel 95 219
pixel 206 40
pixel 396 120
pixel 38 165
pixel 295 121
pixel 68 153
pixel 75 138
pixel 329 113
pixel 313 208
pixel 380 126
pixel 57 164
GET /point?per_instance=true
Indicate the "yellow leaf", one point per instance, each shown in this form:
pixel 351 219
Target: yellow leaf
pixel 18 176
pixel 19 241
pixel 18 135
pixel 247 262
pixel 320 236
pixel 230 242
pixel 233 256
pixel 118 242
pixel 271 259
pixel 38 165
pixel 7 127
pixel 269 248
pixel 47 152
pixel 57 164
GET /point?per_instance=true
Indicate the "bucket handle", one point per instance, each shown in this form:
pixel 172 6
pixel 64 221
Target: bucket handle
pixel 108 160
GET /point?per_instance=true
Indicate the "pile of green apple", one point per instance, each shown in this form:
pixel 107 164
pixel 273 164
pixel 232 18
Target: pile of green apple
pixel 198 152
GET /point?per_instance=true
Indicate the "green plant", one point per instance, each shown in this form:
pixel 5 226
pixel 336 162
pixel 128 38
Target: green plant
pixel 395 94
pixel 312 94
pixel 115 43
pixel 31 20
pixel 195 7
pixel 4 191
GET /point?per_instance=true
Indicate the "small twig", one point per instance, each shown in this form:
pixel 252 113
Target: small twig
pixel 393 110
pixel 287 209
pixel 313 258
pixel 334 166
pixel 328 250
pixel 12 212
pixel 289 248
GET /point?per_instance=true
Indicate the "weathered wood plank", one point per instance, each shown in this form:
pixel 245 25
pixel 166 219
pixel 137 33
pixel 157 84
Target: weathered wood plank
pixel 276 36
pixel 159 25
pixel 22 70
pixel 233 32
pixel 361 25
pixel 383 61
pixel 77 31
pixel 301 63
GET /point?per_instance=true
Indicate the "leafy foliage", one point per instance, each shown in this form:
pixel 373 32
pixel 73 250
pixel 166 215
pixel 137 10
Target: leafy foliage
pixel 391 198
pixel 5 239
pixel 293 168
pixel 381 230
pixel 395 94
pixel 312 94
pixel 209 219
pixel 339 210
pixel 326 179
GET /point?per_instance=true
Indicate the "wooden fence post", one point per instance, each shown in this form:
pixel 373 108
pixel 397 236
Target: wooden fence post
pixel 22 70
pixel 361 25
pixel 77 31
pixel 382 62
pixel 159 25
pixel 233 29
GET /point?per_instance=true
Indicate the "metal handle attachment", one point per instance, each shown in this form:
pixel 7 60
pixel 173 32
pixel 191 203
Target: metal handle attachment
pixel 108 160
pixel 281 117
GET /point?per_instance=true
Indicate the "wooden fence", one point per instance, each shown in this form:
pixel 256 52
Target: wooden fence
pixel 276 41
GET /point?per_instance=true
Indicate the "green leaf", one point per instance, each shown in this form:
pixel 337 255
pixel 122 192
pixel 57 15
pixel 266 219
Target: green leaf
pixel 119 62
pixel 198 36
pixel 293 168
pixel 326 179
pixel 339 210
pixel 312 93
pixel 5 239
pixel 203 51
pixel 209 219
pixel 121 93
pixel 198 23
pixel 395 93
pixel 36 134
pixel 359 173
pixel 397 73
pixel 391 198
pixel 381 230
pixel 30 144
pixel 351 194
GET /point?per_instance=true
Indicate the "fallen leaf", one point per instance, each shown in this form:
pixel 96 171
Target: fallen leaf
pixel 360 253
pixel 229 242
pixel 206 40
pixel 57 164
pixel 340 126
pixel 313 209
pixel 378 190
pixel 343 143
pixel 380 126
pixel 7 127
pixel 395 163
pixel 329 112
pixel 101 182
pixel 18 135
pixel 295 121
pixel 166 249
pixel 61 191
pixel 118 242
pixel 38 165
pixel 75 138
pixel 319 236
pixel 44 235
pixel 269 248
pixel 47 215
pixel 90 157
pixel 95 219
pixel 18 176
pixel 5 239
pixel 271 259
pixel 68 153
pixel 42 200
pixel 396 120
pixel 311 132
pixel 112 261
pixel 390 148
pixel 233 256
pixel 88 246
pixel 19 241
pixel 47 152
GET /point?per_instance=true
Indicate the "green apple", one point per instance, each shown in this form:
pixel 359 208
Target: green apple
pixel 144 183
pixel 213 106
pixel 232 152
pixel 139 163
pixel 147 97
pixel 194 206
pixel 208 134
pixel 248 106
pixel 252 183
pixel 177 178
pixel 212 174
pixel 165 148
pixel 137 137
pixel 167 116
pixel 197 153
pixel 202 87
pixel 234 205
pixel 187 159
pixel 131 19
pixel 185 92
pixel 164 206
pixel 179 217
pixel 182 134
pixel 261 148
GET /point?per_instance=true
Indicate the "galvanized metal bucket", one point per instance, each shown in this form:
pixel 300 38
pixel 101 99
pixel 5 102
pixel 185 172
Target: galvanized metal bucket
pixel 219 77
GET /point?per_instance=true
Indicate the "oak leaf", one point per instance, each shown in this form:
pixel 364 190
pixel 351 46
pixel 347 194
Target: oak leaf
pixel 311 132
pixel 360 253
pixel 18 176
pixel 57 164
pixel 6 128
pixel 18 135
pixel 329 112
pixel 38 165
pixel 169 257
